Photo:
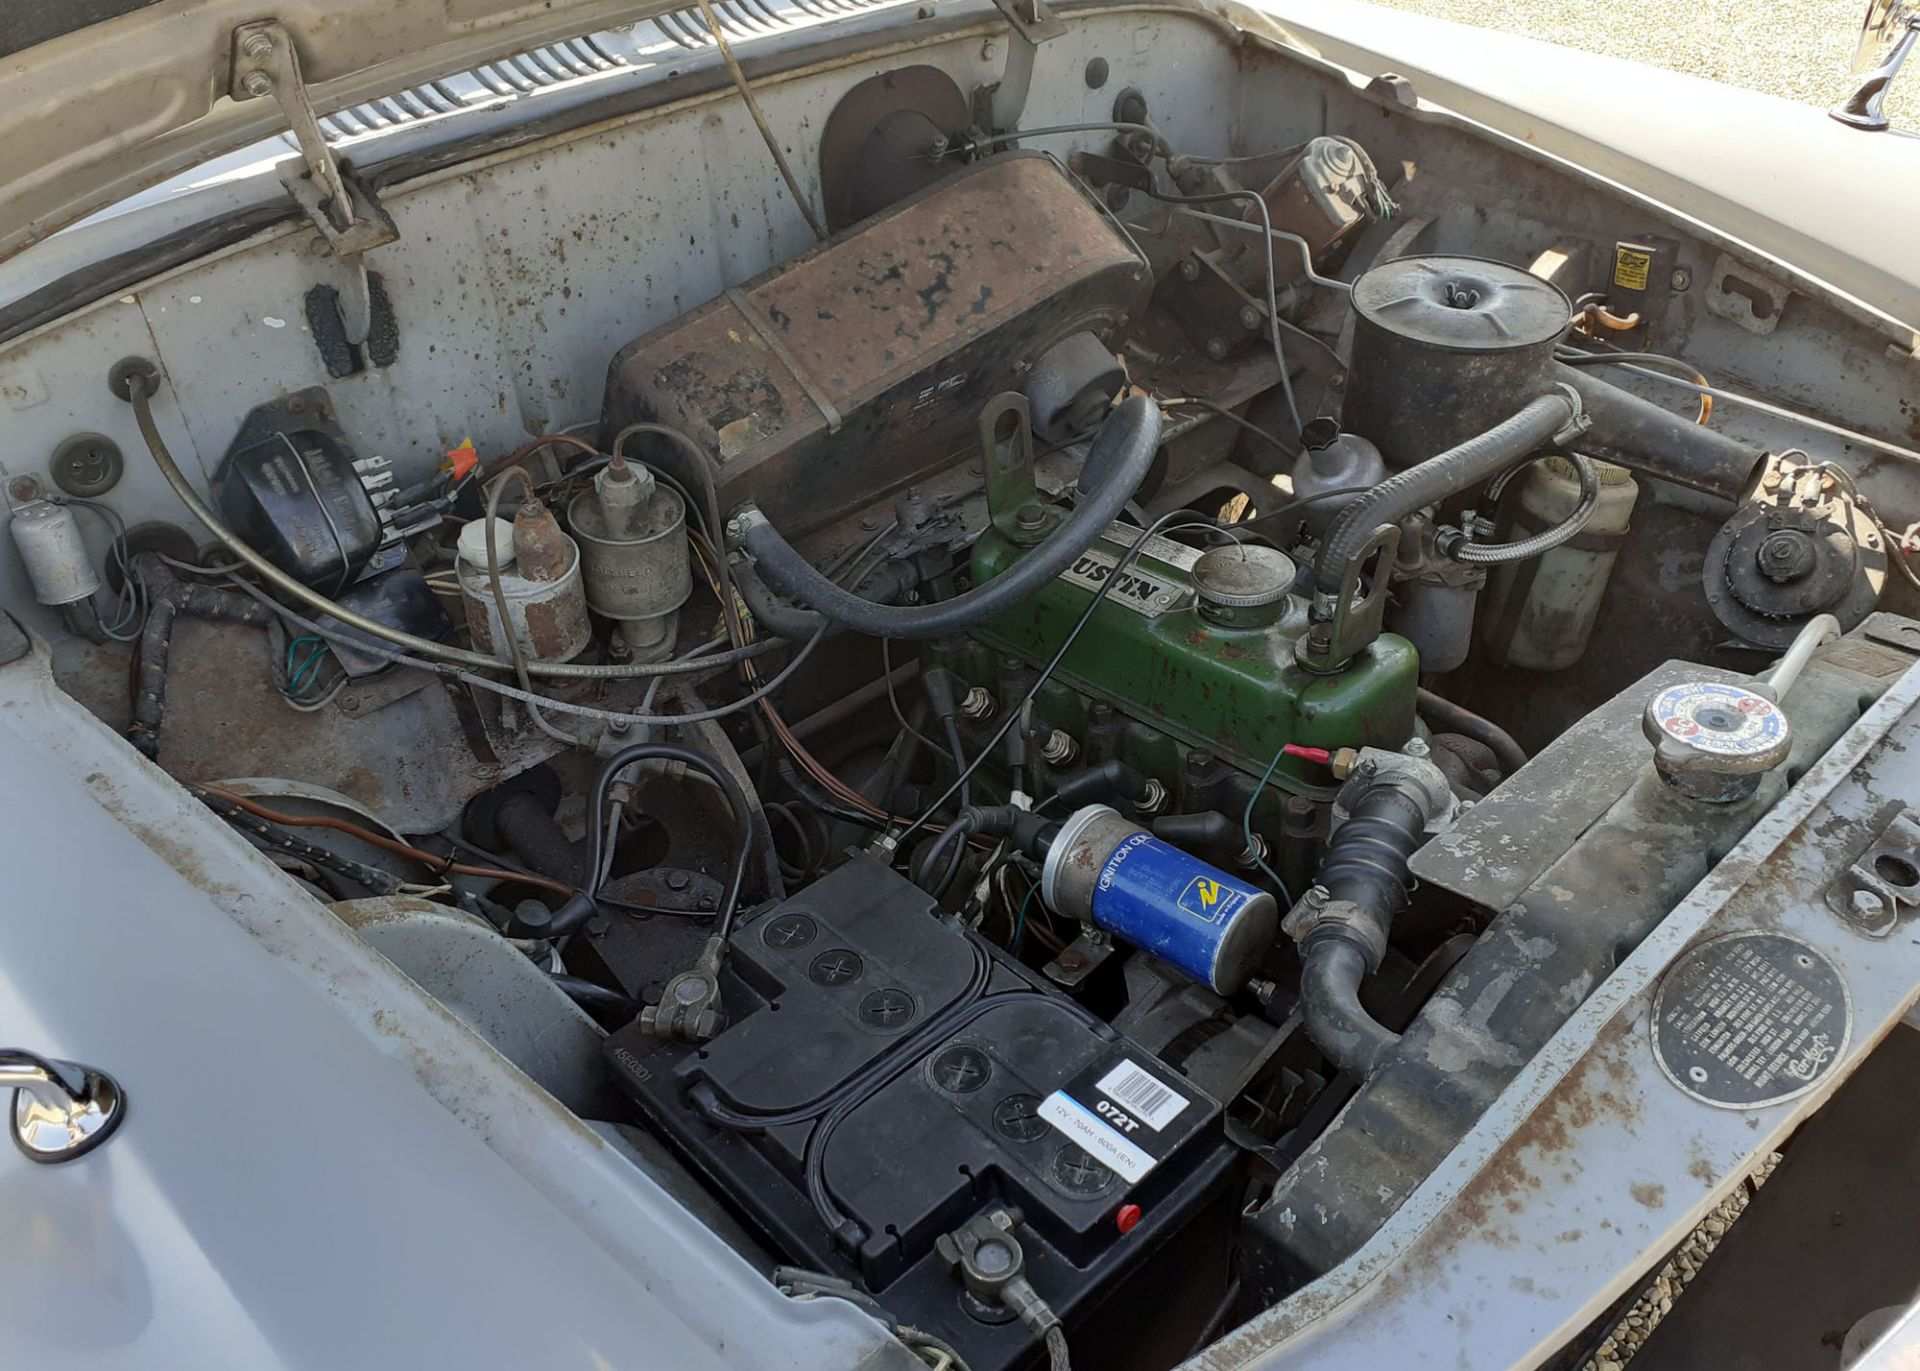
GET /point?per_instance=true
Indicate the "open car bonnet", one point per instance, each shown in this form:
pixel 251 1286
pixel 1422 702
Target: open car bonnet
pixel 108 97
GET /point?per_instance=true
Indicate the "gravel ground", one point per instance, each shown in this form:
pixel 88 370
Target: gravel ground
pixel 1799 49
pixel 1667 1283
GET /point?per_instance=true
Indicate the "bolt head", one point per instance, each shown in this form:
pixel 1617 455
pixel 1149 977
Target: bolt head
pixel 1867 904
pixel 1190 270
pixel 993 1258
pixel 1681 278
pixel 258 83
pixel 1417 747
pixel 257 44
pixel 1249 317
pixel 1217 349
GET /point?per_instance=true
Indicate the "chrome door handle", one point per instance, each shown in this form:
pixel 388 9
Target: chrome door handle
pixel 61 1110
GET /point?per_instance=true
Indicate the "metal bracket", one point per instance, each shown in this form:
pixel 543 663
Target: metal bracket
pixel 1006 456
pixel 1882 881
pixel 1346 623
pixel 266 64
pixel 999 105
pixel 1033 20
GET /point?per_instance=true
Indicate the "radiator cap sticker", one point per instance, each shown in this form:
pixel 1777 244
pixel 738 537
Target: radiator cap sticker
pixel 1750 1019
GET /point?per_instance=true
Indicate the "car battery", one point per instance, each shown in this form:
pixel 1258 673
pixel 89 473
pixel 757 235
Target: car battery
pixel 887 1075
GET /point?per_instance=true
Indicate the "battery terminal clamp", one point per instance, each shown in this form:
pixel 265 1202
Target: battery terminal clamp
pixel 988 1259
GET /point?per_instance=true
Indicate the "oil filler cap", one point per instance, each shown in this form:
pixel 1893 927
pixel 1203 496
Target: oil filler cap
pixel 1714 741
pixel 1242 586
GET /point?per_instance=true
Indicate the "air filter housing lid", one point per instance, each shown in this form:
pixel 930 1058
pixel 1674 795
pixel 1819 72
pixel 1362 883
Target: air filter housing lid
pixel 1462 304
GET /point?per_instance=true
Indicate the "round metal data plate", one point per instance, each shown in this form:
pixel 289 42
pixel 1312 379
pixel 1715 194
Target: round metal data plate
pixel 1750 1019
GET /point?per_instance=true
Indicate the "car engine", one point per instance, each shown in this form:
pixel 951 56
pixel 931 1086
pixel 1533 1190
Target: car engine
pixel 1053 753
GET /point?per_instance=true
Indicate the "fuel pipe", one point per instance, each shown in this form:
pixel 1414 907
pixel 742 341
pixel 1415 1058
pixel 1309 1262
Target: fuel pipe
pixel 1341 924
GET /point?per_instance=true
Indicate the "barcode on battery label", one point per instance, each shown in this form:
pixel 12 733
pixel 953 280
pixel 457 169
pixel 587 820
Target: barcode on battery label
pixel 1154 1104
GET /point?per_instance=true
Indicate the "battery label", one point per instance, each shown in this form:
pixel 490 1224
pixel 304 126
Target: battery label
pixel 1153 1103
pixel 1096 1137
pixel 1123 1114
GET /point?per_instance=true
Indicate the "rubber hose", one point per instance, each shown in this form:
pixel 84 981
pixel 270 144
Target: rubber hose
pixel 1449 473
pixel 1336 1021
pixel 1126 447
pixel 1643 436
pixel 1366 867
pixel 592 997
pixel 954 745
pixel 529 831
pixel 1448 717
pixel 888 580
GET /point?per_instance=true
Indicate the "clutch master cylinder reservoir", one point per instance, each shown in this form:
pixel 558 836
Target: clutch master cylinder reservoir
pixel 1107 871
pixel 633 535
pixel 1540 613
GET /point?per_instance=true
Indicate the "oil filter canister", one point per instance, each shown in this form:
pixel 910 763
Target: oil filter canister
pixel 1108 871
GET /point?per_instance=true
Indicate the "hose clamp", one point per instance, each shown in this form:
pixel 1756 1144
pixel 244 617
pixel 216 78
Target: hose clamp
pixel 1576 427
pixel 1318 914
pixel 742 522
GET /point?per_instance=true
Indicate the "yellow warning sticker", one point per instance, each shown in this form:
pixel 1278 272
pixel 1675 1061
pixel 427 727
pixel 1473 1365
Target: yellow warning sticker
pixel 1632 267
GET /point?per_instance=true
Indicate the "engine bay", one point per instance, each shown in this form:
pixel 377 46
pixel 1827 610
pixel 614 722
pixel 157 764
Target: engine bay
pixel 1054 751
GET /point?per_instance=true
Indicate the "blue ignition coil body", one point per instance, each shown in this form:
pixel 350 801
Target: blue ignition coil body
pixel 1105 870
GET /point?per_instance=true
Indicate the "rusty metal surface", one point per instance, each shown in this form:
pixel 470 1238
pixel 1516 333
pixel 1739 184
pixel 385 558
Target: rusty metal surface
pixel 407 761
pixel 903 328
pixel 1508 840
pixel 1592 1165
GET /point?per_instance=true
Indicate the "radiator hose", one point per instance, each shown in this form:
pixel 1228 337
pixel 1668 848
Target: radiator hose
pixel 1122 453
pixel 1361 885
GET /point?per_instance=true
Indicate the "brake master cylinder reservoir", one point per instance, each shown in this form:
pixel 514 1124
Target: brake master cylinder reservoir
pixel 1105 870
pixel 633 534
pixel 1540 613
pixel 539 570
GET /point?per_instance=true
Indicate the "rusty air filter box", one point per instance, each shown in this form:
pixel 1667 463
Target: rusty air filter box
pixel 862 364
